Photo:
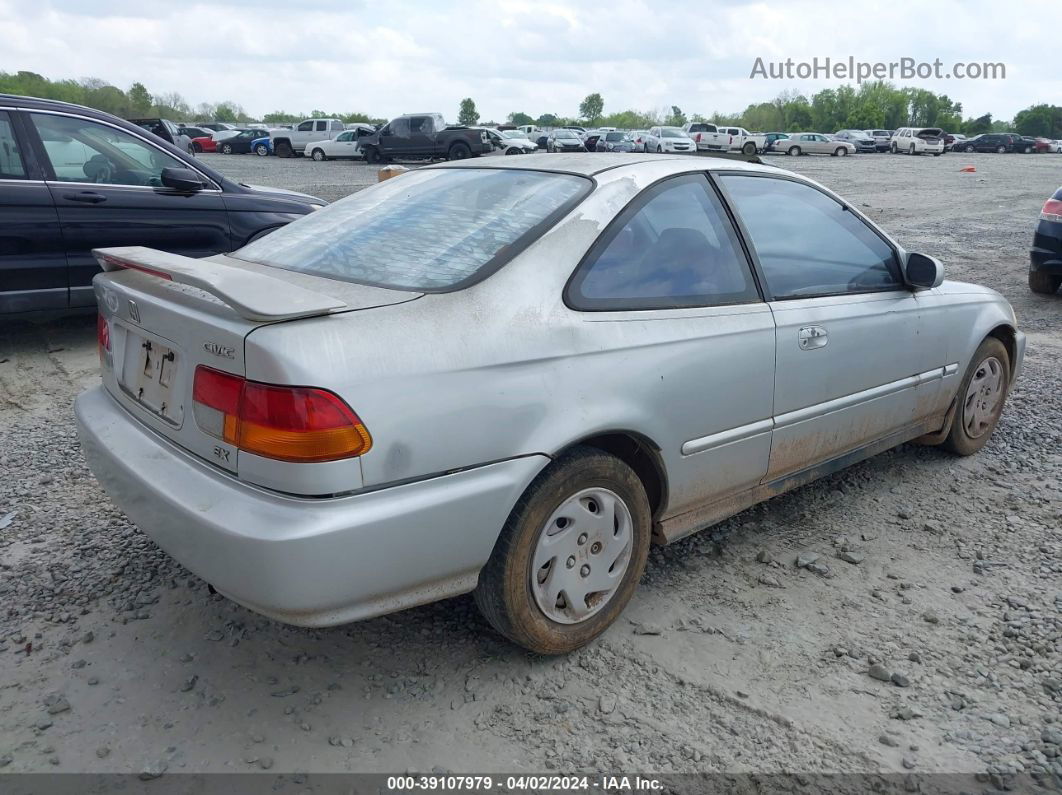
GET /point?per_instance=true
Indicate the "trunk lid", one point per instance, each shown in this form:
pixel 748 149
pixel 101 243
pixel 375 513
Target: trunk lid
pixel 167 315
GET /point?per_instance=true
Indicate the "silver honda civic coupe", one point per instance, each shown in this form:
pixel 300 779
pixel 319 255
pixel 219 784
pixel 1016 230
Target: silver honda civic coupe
pixel 509 379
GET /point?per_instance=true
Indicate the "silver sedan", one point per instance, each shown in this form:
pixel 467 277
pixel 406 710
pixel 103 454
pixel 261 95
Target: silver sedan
pixel 509 380
pixel 815 143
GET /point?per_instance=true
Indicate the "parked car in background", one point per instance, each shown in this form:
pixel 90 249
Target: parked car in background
pixel 326 488
pixel 216 126
pixel 205 144
pixel 293 142
pixel 882 139
pixel 1045 257
pixel 669 140
pixel 918 141
pixel 615 142
pixel 952 141
pixel 638 138
pixel 773 141
pixel 531 131
pixel 194 132
pixel 95 180
pixel 424 136
pixel 590 139
pixel 1055 146
pixel 858 138
pixel 263 147
pixel 993 142
pixel 564 140
pixel 809 143
pixel 512 142
pixel 707 136
pixel 167 131
pixel 345 146
pixel 1034 144
pixel 239 144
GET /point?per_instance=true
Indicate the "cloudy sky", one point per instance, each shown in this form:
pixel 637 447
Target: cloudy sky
pixel 386 57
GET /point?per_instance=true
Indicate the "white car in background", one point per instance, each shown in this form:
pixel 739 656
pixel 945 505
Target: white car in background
pixel 669 140
pixel 511 142
pixel 343 146
pixel 918 141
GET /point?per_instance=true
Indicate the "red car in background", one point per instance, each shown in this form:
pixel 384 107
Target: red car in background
pixel 204 144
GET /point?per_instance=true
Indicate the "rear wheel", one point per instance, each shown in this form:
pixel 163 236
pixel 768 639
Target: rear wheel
pixel 283 149
pixel 749 148
pixel 261 150
pixel 459 151
pixel 1044 283
pixel 226 149
pixel 1001 149
pixel 980 399
pixel 894 148
pixel 570 555
pixel 197 147
pixel 912 149
pixel 794 151
pixel 318 155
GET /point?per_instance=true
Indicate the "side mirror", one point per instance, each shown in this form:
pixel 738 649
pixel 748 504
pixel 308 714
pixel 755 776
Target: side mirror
pixel 181 179
pixel 923 271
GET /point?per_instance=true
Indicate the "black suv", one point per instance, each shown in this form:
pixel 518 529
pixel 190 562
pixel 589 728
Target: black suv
pixel 73 179
pixel 993 142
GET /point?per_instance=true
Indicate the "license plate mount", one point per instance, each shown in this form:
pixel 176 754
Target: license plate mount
pixel 150 376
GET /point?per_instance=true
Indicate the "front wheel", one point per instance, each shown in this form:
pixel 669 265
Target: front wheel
pixel 894 149
pixel 197 148
pixel 372 155
pixel 570 555
pixel 840 152
pixel 1044 283
pixel 980 399
pixel 659 149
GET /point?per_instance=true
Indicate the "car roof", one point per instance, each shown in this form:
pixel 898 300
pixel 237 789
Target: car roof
pixel 587 164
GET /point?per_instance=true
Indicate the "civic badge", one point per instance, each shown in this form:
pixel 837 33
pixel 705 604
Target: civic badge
pixel 220 350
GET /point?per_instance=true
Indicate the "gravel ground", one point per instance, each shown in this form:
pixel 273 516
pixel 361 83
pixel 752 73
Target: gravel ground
pixel 940 652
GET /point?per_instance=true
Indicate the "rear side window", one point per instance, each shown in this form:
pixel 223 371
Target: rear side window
pixel 11 165
pixel 673 247
pixel 430 230
pixel 807 243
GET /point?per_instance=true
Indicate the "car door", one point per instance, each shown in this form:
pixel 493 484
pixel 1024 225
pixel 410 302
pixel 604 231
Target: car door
pixel 851 368
pixel 32 254
pixel 107 188
pixel 394 138
pixel 668 293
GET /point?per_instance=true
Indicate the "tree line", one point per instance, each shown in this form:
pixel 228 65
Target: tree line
pixel 873 105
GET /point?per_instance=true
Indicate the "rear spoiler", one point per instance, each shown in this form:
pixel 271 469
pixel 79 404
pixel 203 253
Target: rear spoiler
pixel 254 296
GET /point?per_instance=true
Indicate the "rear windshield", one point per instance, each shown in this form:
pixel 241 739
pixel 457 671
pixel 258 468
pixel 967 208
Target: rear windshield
pixel 702 128
pixel 429 230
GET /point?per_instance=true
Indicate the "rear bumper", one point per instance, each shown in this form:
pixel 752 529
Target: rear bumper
pixel 311 562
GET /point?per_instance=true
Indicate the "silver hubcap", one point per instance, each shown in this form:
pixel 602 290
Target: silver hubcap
pixel 983 397
pixel 582 554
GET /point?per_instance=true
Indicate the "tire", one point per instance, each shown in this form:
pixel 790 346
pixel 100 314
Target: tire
pixel 458 151
pixel 197 148
pixel 1044 283
pixel 318 155
pixel 894 148
pixel 1001 150
pixel 226 149
pixel 1027 150
pixel 749 148
pixel 937 154
pixel 510 593
pixel 990 366
pixel 912 150
pixel 372 155
pixel 262 150
pixel 283 149
pixel 659 149
pixel 840 151
pixel 793 151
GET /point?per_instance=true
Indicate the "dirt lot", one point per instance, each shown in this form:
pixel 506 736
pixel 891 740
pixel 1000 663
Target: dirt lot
pixel 730 658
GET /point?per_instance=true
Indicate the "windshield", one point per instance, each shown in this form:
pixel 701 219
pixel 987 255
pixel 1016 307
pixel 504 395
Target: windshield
pixel 672 132
pixel 432 229
pixel 616 136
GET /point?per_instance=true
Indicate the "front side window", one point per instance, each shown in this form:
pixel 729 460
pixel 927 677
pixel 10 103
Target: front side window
pixel 674 247
pixel 85 151
pixel 306 126
pixel 807 243
pixel 11 165
pixel 433 229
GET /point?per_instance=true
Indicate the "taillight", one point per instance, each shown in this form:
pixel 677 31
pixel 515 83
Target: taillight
pixel 288 423
pixel 1052 210
pixel 103 339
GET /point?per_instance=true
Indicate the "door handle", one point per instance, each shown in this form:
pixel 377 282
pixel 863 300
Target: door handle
pixel 85 196
pixel 810 337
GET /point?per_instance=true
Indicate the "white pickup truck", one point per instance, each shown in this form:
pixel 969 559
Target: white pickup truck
pixel 289 143
pixel 711 138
